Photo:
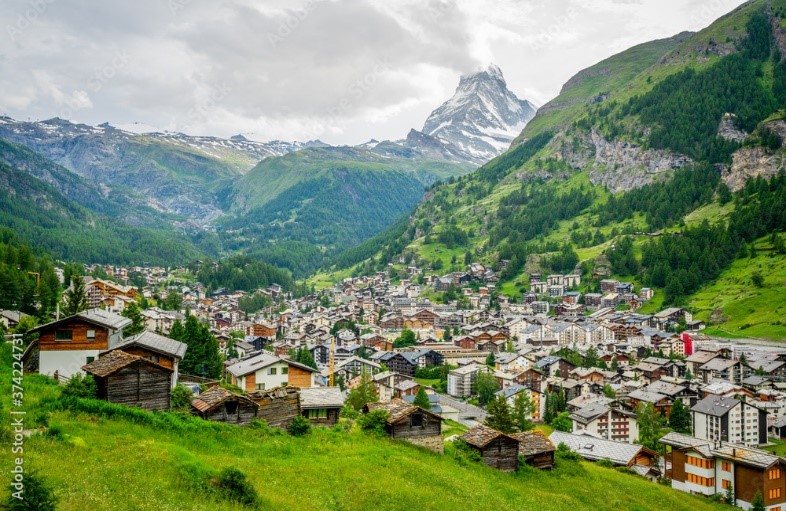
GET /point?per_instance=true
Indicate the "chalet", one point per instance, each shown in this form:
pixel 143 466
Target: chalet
pixel 156 348
pixel 700 466
pixel 611 422
pixel 660 402
pixel 264 371
pixel 640 459
pixel 496 449
pixel 10 319
pixel 411 424
pixel 554 366
pixel 720 369
pixel 277 406
pixel 726 419
pixel 221 405
pixel 535 449
pixel 66 345
pixel 321 405
pixel 131 380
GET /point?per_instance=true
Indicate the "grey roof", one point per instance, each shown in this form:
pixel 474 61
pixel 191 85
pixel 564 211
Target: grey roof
pixel 99 317
pixel 755 380
pixel 321 397
pixel 590 412
pixel 715 405
pixel 252 364
pixel 718 364
pixel 646 396
pixel 736 453
pixel 157 343
pixel 595 449
pixel 510 390
pixel 664 387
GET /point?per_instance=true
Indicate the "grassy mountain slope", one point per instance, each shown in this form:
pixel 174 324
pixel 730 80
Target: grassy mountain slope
pixel 40 214
pixel 601 162
pixel 143 461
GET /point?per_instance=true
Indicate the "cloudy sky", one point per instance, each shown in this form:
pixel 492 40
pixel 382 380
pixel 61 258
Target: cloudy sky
pixel 343 71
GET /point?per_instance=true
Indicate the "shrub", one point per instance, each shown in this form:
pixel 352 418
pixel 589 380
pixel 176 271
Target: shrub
pixel 300 426
pixel 233 485
pixel 464 454
pixel 54 432
pixel 36 496
pixel 373 422
pixel 564 452
pixel 606 463
pixel 181 398
pixel 80 386
pixel 348 412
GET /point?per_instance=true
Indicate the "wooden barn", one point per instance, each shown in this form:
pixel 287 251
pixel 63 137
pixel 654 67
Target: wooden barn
pixel 321 405
pixel 221 405
pixel 277 406
pixel 497 450
pixel 131 380
pixel 536 449
pixel 411 423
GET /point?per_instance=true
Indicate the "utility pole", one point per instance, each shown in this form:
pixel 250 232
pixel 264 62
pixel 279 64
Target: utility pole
pixel 332 377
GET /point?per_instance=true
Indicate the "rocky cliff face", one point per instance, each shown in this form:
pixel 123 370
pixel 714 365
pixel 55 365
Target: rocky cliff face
pixel 618 165
pixel 750 162
pixel 728 129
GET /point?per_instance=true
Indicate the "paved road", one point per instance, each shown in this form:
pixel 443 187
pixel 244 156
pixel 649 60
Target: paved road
pixel 469 415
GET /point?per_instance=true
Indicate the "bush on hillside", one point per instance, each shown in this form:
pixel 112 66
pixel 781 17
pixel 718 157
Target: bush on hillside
pixel 300 426
pixel 37 495
pixel 80 386
pixel 373 422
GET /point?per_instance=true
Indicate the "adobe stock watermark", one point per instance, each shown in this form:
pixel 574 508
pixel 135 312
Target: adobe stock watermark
pixel 290 23
pixel 17 417
pixel 95 83
pixel 175 6
pixel 557 26
pixel 436 10
pixel 215 95
pixel 355 92
pixel 35 9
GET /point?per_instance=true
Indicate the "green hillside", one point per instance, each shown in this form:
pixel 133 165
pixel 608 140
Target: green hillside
pixel 581 178
pixel 138 460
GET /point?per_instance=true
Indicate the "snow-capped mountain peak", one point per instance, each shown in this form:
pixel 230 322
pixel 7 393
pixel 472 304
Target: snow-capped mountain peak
pixel 483 116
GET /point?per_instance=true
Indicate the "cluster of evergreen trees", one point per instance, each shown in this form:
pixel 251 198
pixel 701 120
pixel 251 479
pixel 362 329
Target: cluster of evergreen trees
pixel 26 278
pixel 684 109
pixel 244 273
pixel 202 357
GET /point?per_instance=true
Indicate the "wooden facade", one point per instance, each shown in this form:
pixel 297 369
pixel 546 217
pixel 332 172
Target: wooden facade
pixel 411 423
pixel 496 449
pixel 278 406
pixel 536 449
pixel 158 358
pixel 299 377
pixel 130 380
pixel 55 338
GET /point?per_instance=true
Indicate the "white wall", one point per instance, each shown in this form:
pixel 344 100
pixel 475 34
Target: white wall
pixel 66 363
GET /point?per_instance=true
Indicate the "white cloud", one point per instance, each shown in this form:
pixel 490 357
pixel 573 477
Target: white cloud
pixel 345 71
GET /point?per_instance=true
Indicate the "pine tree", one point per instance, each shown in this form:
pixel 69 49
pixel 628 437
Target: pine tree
pixel 650 425
pixel 421 399
pixel 758 502
pixel 364 393
pixel 500 415
pixel 490 359
pixel 75 297
pixel 522 411
pixel 137 325
pixel 679 419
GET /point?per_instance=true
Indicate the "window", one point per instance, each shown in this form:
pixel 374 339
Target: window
pixel 416 420
pixel 725 466
pixel 90 359
pixel 91 335
pixel 701 481
pixel 283 384
pixel 284 370
pixel 725 484
pixel 775 493
pixel 231 407
pixel 774 473
pixel 700 462
pixel 319 413
pixel 260 386
pixel 64 335
pixel 272 370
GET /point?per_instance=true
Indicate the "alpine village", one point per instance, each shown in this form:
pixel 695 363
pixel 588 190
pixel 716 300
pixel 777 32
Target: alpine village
pixel 576 306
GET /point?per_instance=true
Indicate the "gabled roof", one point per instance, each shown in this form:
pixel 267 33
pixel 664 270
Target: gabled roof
pixel 595 449
pixel 481 436
pixel 157 343
pixel 398 409
pixel 737 453
pixel 715 405
pixel 214 396
pixel 253 364
pixel 533 442
pixel 719 364
pixel 98 317
pixel 113 361
pixel 321 397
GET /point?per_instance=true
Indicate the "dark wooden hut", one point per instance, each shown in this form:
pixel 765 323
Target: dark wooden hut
pixel 536 449
pixel 277 406
pixel 131 380
pixel 221 405
pixel 496 449
pixel 411 423
pixel 321 405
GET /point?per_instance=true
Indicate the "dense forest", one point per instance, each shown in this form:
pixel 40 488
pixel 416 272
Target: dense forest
pixel 244 273
pixel 26 278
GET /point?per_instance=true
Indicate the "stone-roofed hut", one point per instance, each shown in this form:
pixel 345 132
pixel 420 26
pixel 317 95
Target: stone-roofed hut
pixel 497 450
pixel 131 380
pixel 277 406
pixel 536 449
pixel 321 405
pixel 411 423
pixel 221 405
